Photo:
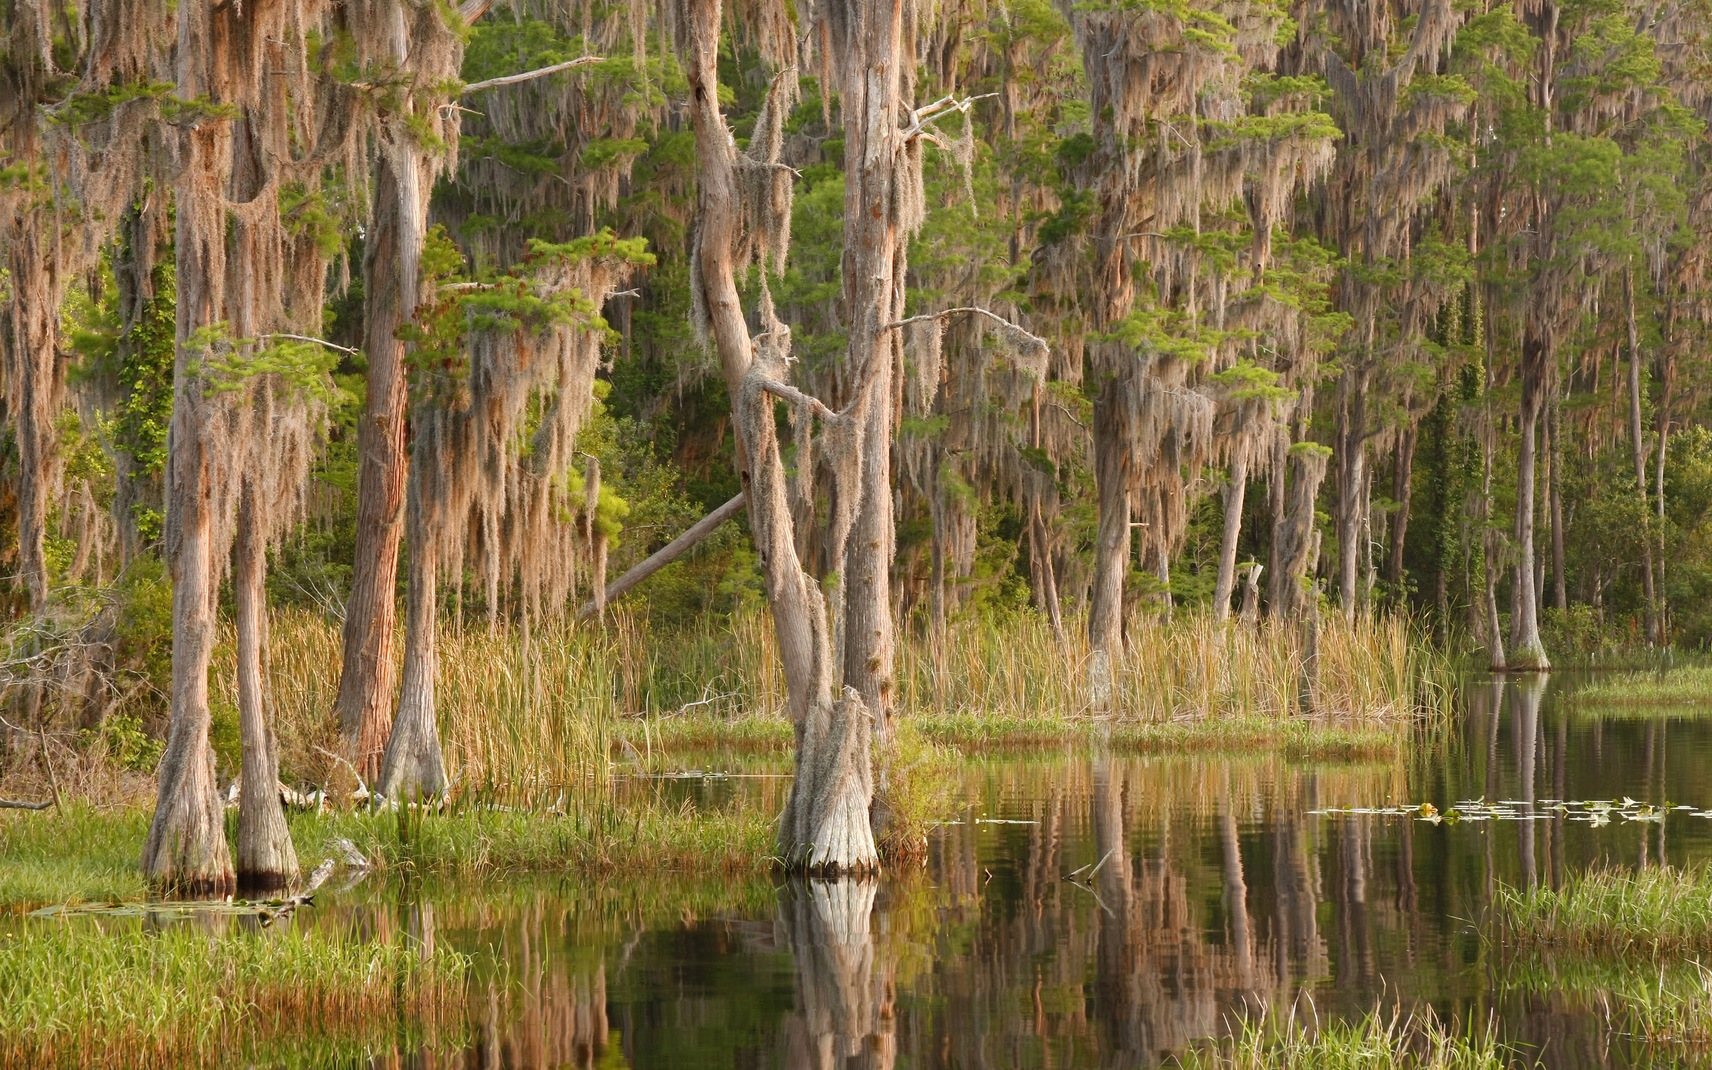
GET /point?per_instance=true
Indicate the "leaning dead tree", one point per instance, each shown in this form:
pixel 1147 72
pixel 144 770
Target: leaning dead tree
pixel 836 646
pixel 744 216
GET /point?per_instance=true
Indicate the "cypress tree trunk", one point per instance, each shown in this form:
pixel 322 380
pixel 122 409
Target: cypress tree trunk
pixel 35 381
pixel 1234 495
pixel 412 767
pixel 266 859
pixel 1528 654
pixel 1403 489
pixel 1287 592
pixel 1111 545
pixel 186 849
pixel 1638 442
pixel 825 828
pixel 1351 453
pixel 875 247
pixel 392 250
pixel 1560 579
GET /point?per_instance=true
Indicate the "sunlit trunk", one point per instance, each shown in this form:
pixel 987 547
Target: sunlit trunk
pixel 1638 442
pixel 266 860
pixel 186 848
pixel 825 827
pixel 1111 545
pixel 1403 488
pixel 1234 494
pixel 1527 653
pixel 412 766
pixel 391 251
pixel 1351 456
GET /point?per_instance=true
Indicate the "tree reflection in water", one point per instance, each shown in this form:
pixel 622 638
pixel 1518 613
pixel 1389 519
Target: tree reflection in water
pixel 1222 893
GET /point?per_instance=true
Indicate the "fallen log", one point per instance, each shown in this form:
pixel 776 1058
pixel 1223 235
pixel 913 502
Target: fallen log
pixel 668 553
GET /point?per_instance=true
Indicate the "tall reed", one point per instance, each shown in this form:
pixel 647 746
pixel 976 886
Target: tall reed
pixel 82 993
pixel 534 718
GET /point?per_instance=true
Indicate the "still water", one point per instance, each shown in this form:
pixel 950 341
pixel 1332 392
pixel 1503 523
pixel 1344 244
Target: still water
pixel 1204 889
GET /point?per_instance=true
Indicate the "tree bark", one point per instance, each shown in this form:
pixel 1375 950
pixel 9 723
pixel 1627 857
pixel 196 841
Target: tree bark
pixel 825 828
pixel 1226 582
pixel 413 767
pixel 1351 451
pixel 186 850
pixel 1528 654
pixel 1111 546
pixel 1403 486
pixel 1640 453
pixel 36 384
pixel 874 252
pixel 1559 532
pixel 266 860
pixel 392 250
pixel 1287 592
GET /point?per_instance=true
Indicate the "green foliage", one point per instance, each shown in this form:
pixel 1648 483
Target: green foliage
pixel 142 647
pixel 128 744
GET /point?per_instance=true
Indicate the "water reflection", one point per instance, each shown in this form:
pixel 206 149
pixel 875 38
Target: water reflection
pixel 1088 911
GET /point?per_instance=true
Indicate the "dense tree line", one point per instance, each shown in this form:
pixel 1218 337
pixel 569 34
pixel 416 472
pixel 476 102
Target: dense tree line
pixel 964 308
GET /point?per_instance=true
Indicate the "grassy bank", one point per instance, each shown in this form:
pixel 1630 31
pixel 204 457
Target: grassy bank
pixel 79 993
pixel 1684 690
pixel 1374 1043
pixel 88 855
pixel 1632 941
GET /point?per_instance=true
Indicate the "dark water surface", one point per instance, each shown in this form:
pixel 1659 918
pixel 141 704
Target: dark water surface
pixel 1221 892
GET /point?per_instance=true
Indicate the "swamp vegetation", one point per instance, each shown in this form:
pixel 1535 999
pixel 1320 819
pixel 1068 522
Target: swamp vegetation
pixel 832 533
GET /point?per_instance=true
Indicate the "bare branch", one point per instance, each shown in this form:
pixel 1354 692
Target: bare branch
pixel 797 397
pixel 471 10
pixel 306 338
pixel 943 106
pixel 969 310
pixel 539 72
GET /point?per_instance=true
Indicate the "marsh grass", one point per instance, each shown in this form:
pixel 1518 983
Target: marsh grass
pixel 1663 912
pixel 1681 691
pixel 79 855
pixel 1377 1042
pixel 1376 669
pixel 1297 739
pixel 1631 944
pixel 636 838
pixel 1667 1004
pixel 120 994
pixel 529 722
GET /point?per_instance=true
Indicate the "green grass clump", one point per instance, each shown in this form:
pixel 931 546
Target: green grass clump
pixel 77 855
pixel 588 839
pixel 98 995
pixel 1624 941
pixel 86 855
pixel 756 733
pixel 1664 912
pixel 1419 1042
pixel 1298 739
pixel 1686 690
pixel 1667 1003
